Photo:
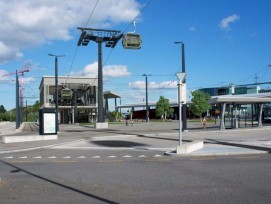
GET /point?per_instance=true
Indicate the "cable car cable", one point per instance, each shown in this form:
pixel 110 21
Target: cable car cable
pixel 75 53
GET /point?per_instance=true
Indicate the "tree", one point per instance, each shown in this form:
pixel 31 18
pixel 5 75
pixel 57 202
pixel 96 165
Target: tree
pixel 36 106
pixel 163 108
pixel 2 109
pixel 200 103
pixel 116 115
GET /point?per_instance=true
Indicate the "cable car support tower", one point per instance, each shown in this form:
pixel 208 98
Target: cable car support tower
pixel 110 38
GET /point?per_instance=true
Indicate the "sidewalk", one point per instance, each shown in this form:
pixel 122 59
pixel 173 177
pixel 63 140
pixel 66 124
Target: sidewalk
pixel 154 135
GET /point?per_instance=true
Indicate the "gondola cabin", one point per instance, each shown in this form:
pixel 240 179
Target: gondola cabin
pixel 66 93
pixel 131 41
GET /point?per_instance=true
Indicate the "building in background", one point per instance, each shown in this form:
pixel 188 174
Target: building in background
pixel 77 98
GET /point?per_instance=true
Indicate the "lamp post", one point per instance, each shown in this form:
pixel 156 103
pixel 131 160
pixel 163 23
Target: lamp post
pixel 17 102
pixel 184 107
pixel 181 78
pixel 56 86
pixel 147 105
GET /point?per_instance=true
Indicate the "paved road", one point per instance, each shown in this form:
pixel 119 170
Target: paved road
pixel 71 178
pixel 127 165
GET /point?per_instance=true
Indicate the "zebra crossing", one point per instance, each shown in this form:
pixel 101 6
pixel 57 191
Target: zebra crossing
pixel 81 157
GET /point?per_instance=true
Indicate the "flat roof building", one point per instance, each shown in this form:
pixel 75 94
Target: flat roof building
pixel 80 105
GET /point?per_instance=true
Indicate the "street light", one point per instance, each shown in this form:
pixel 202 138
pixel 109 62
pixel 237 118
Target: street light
pixel 184 82
pixel 147 106
pixel 56 86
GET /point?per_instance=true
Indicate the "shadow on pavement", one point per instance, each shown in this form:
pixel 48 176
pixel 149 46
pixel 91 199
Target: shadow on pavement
pixel 18 169
pixel 117 143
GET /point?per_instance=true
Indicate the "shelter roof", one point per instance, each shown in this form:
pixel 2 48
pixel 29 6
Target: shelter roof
pixel 109 94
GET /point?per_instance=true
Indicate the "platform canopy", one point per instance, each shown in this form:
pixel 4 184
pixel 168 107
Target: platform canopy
pixel 109 94
pixel 239 100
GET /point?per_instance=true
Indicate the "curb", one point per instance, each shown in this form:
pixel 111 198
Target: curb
pixel 174 154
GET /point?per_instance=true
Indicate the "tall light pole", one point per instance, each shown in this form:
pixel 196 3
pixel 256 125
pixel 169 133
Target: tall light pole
pixel 147 105
pixel 17 102
pixel 184 107
pixel 56 86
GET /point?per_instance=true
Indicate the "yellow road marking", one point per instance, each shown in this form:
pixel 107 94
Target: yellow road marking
pixel 111 161
pixel 64 161
pixel 157 160
pixel 247 157
pixel 202 158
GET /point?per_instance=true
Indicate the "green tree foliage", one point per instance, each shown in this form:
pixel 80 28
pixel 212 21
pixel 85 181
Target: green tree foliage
pixel 36 106
pixel 31 111
pixel 200 103
pixel 163 108
pixel 2 109
pixel 116 115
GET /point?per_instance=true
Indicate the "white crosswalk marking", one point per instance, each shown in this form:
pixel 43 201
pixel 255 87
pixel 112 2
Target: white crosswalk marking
pixel 112 156
pixel 83 157
pixel 127 156
pixel 96 157
pixel 9 157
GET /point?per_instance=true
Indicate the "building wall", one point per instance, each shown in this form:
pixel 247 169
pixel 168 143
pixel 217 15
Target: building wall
pixel 82 103
pixel 235 90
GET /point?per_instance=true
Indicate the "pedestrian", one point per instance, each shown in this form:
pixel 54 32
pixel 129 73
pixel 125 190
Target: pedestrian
pixel 204 123
pixel 126 121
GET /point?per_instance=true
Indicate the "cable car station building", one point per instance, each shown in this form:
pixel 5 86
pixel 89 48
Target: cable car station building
pixel 77 98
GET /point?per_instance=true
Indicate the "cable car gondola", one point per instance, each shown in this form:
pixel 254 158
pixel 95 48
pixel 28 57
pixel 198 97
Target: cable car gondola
pixel 131 41
pixel 66 93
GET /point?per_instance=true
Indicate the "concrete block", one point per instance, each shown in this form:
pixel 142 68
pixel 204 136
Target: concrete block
pixel 189 147
pixel 101 125
pixel 28 138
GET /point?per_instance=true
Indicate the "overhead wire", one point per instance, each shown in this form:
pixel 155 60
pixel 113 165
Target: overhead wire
pixel 75 53
pixel 127 28
pixel 104 63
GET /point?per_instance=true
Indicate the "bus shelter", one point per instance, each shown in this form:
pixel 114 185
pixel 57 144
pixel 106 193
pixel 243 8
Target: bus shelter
pixel 240 111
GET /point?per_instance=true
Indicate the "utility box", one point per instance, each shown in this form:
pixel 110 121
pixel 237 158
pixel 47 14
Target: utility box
pixel 47 121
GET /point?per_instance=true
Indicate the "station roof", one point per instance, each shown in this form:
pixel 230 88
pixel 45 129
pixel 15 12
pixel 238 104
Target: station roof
pixel 242 99
pixel 239 100
pixel 109 94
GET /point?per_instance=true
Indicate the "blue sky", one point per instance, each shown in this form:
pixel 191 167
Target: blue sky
pixel 226 41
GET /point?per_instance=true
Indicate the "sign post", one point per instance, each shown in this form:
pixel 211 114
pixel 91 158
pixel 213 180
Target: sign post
pixel 181 76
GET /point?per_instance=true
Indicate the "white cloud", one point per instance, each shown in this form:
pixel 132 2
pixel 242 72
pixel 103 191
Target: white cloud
pixel 91 70
pixel 116 71
pixel 153 85
pixel 29 79
pixel 28 23
pixel 225 22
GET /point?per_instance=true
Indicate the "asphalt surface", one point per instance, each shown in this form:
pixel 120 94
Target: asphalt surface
pixel 126 164
pixel 162 136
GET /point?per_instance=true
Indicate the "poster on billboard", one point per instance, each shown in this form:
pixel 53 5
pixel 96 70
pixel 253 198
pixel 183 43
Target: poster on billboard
pixel 49 123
